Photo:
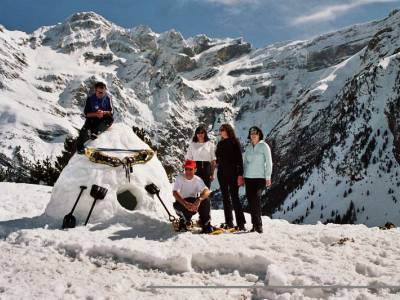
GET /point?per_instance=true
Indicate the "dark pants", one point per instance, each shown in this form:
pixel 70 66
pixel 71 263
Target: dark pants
pixel 254 189
pixel 204 171
pixel 204 211
pixel 92 126
pixel 230 195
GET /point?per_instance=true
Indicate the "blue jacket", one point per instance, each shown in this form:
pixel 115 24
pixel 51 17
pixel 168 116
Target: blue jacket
pixel 257 161
pixel 93 104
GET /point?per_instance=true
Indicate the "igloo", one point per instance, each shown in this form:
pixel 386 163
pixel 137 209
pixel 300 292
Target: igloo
pixel 126 194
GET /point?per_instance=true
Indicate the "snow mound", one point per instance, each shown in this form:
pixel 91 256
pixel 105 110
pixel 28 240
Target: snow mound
pixel 81 171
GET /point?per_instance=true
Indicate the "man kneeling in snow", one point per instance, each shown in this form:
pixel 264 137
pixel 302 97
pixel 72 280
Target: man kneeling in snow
pixel 191 195
pixel 99 116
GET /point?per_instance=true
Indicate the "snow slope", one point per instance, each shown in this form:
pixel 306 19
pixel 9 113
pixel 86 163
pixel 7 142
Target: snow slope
pixel 122 258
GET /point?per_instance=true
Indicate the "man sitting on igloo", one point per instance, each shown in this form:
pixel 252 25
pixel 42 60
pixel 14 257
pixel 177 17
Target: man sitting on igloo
pixel 99 116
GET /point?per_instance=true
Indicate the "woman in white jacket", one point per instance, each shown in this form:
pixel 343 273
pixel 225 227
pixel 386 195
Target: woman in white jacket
pixel 202 150
pixel 257 165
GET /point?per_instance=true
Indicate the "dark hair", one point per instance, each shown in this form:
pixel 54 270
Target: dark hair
pixel 230 131
pixel 201 128
pixel 258 130
pixel 100 84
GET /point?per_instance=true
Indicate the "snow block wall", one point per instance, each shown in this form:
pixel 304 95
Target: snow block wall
pixel 81 171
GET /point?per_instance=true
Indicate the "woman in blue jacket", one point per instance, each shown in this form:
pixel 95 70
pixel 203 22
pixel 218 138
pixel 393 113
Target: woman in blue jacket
pixel 257 173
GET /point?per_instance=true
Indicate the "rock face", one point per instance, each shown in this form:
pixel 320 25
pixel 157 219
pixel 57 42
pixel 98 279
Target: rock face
pixel 81 171
pixel 329 107
pixel 349 148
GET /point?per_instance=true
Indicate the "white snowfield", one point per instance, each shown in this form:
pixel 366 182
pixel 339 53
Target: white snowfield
pixel 122 258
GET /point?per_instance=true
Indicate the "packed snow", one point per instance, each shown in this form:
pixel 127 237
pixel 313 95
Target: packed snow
pixel 125 256
pixel 81 171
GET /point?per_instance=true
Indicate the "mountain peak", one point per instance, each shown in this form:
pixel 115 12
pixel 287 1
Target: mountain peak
pixel 77 31
pixel 87 20
pixel 394 12
pixel 142 29
pixel 172 39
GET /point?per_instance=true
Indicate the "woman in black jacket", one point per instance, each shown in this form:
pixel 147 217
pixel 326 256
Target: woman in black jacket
pixel 230 175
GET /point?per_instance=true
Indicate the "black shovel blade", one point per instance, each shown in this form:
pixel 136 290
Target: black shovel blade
pixel 98 192
pixel 152 189
pixel 69 221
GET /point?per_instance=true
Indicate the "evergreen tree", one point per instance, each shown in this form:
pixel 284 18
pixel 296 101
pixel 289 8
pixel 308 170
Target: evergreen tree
pixel 338 219
pixel 144 136
pixel 2 174
pixel 67 153
pixel 350 216
pixel 45 172
pixel 18 171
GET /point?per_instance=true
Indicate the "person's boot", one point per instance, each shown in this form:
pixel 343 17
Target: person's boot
pixel 198 223
pixel 257 228
pixel 227 226
pixel 241 227
pixel 182 225
pixel 207 229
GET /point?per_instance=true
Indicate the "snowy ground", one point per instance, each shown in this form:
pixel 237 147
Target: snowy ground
pixel 123 258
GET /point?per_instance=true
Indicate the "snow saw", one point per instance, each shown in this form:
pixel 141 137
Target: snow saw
pixel 152 189
pixel 69 219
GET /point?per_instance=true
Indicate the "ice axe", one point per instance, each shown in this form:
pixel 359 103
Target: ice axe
pixel 69 220
pixel 154 190
pixel 98 193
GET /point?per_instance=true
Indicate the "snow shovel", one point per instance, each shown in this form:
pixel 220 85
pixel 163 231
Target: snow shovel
pixel 98 193
pixel 69 220
pixel 154 190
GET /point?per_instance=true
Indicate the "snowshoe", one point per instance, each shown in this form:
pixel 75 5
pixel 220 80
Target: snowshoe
pixel 226 226
pixel 183 226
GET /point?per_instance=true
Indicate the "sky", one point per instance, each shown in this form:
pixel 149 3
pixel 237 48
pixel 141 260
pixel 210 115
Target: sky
pixel 260 22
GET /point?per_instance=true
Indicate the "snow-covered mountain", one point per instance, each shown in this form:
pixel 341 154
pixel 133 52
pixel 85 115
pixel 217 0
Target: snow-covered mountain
pixel 329 106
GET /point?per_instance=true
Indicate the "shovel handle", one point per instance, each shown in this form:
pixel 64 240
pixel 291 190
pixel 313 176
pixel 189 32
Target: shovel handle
pixel 170 217
pixel 90 212
pixel 83 187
